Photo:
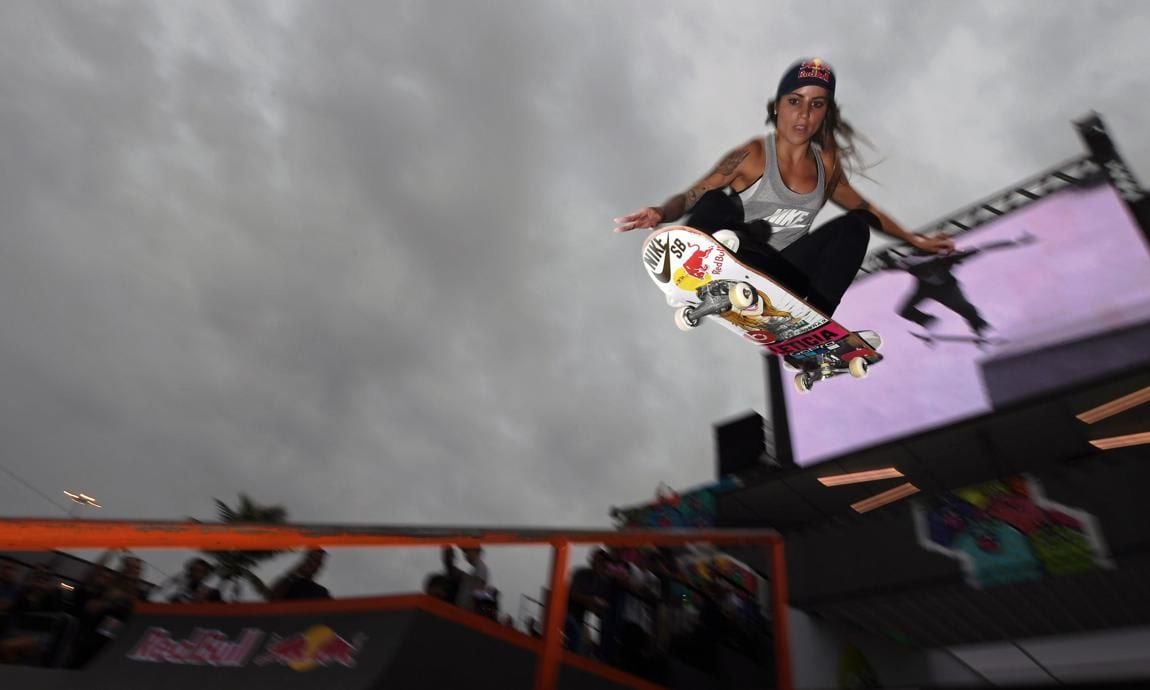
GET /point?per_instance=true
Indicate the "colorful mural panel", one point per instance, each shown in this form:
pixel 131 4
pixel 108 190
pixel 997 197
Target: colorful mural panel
pixel 1007 531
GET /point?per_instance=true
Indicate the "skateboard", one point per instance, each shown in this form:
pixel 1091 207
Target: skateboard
pixel 981 341
pixel 702 278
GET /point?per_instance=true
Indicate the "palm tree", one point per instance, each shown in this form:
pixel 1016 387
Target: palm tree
pixel 234 568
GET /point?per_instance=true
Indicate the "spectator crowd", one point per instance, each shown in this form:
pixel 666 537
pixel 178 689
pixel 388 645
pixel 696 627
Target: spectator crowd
pixel 633 609
pixel 649 611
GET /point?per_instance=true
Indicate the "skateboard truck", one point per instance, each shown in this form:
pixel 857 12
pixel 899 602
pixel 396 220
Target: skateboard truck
pixel 822 368
pixel 717 297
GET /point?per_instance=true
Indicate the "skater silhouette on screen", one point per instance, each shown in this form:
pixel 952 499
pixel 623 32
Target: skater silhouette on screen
pixel 934 279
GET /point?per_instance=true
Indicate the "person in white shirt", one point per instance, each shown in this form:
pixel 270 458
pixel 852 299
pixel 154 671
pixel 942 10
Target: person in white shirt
pixel 477 579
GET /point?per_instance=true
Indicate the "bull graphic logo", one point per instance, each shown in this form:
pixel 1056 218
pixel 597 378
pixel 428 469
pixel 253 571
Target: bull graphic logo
pixel 694 265
pixel 694 270
pixel 318 646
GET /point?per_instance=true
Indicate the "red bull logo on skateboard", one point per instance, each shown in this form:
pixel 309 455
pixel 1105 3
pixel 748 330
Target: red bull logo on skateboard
pixel 695 270
pixel 694 265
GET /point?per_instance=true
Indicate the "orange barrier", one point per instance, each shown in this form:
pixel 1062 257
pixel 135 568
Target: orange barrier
pixel 34 535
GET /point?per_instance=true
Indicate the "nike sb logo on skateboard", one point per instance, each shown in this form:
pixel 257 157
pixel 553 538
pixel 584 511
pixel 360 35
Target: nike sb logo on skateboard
pixel 657 257
pixel 655 253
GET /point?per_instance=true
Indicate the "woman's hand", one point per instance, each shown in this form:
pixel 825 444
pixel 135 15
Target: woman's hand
pixel 643 218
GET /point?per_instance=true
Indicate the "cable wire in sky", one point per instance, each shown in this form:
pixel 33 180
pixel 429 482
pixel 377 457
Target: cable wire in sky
pixel 33 489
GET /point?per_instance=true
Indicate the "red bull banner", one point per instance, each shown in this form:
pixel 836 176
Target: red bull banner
pixel 329 649
pixel 370 643
pixel 318 646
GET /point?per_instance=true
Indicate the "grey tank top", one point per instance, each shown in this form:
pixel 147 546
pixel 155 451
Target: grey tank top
pixel 790 215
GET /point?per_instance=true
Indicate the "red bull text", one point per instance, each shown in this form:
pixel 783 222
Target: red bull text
pixel 203 648
pixel 318 646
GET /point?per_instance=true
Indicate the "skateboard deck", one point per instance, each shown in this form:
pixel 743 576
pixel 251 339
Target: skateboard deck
pixel 708 282
pixel 982 342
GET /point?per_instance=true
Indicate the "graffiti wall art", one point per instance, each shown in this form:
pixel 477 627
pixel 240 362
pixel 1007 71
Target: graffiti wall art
pixel 1006 531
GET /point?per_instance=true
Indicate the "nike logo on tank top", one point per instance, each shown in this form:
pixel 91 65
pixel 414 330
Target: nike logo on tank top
pixel 790 215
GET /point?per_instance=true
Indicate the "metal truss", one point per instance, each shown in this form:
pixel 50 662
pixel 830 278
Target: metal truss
pixel 1079 172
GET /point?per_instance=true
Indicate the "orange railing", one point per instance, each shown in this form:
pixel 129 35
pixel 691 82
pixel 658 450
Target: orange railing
pixel 35 535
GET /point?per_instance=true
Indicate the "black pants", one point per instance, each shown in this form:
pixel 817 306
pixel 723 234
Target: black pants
pixel 949 295
pixel 818 267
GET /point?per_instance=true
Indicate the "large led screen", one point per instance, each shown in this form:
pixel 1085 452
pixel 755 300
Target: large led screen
pixel 1068 268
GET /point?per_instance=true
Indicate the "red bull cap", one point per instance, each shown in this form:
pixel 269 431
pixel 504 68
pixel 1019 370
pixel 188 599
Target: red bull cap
pixel 807 72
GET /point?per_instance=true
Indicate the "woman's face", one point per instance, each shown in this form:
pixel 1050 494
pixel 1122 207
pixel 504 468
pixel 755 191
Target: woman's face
pixel 801 112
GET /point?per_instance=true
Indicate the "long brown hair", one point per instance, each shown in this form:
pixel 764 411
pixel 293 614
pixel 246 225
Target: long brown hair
pixel 836 136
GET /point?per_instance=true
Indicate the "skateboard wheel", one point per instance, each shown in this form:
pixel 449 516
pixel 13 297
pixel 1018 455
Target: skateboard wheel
pixel 684 320
pixel 858 367
pixel 802 385
pixel 743 296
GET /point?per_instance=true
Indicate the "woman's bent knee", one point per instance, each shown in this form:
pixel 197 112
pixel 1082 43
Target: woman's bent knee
pixel 715 210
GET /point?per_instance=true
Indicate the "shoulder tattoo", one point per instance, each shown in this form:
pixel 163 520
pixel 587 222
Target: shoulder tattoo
pixel 732 161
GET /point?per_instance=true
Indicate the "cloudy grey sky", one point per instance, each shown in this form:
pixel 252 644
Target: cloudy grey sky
pixel 357 258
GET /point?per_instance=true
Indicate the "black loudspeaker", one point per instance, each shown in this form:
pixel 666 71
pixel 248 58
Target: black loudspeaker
pixel 740 445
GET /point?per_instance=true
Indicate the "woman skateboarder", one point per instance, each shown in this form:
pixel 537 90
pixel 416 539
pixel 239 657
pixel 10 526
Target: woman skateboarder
pixel 778 184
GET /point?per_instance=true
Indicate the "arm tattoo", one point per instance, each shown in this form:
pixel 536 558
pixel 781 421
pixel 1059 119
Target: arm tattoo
pixel 693 195
pixel 864 206
pixel 679 204
pixel 731 162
